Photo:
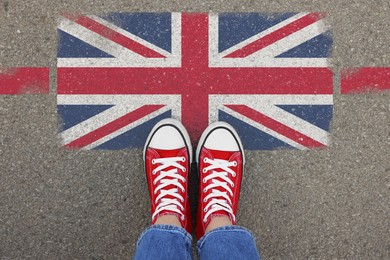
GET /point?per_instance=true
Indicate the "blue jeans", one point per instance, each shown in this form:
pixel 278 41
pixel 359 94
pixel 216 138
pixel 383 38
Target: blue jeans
pixel 171 242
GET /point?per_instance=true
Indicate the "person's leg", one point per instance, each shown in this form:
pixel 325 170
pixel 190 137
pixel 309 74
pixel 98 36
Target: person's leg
pixel 164 242
pixel 228 242
pixel 220 158
pixel 167 156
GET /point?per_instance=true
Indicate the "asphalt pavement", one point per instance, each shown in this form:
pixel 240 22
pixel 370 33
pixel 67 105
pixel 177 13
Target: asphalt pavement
pixel 321 204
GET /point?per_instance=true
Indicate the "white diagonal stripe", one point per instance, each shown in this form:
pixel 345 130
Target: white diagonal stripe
pixel 295 123
pixel 123 56
pixel 266 104
pixel 97 40
pixel 130 35
pixel 262 34
pixel 266 56
pixel 264 129
pixel 125 129
pixel 93 123
pixel 123 104
pixel 291 41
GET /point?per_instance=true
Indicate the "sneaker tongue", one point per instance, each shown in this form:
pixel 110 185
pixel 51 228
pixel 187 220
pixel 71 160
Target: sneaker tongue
pixel 224 155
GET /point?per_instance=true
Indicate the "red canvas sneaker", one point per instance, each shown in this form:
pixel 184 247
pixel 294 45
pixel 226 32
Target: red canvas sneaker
pixel 220 159
pixel 168 157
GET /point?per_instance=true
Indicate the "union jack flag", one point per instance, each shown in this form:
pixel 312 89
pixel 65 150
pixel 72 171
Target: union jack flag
pixel 266 74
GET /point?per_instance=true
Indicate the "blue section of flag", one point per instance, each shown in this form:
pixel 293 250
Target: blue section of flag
pixel 237 27
pixel 74 114
pixel 135 137
pixel 152 27
pixel 318 47
pixel 318 115
pixel 72 47
pixel 251 137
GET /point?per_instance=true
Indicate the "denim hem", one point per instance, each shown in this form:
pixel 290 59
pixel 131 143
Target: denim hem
pixel 169 228
pixel 232 228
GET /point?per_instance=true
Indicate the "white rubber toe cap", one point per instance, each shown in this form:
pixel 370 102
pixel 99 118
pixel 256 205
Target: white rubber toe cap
pixel 167 138
pixel 221 139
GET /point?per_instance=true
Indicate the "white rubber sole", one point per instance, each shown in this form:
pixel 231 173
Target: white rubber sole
pixel 179 126
pixel 214 126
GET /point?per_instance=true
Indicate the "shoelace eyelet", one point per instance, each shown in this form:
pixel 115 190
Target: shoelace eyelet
pixel 204 180
pixel 234 174
pixel 232 185
pixel 234 163
pixel 204 170
pixel 184 170
pixel 153 161
pixel 204 190
pixel 154 172
pixel 204 210
pixel 205 160
pixel 183 159
pixel 204 200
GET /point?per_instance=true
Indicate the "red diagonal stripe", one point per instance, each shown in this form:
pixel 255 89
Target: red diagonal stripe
pixel 276 35
pixel 15 81
pixel 113 126
pixel 276 126
pixel 114 36
pixel 359 80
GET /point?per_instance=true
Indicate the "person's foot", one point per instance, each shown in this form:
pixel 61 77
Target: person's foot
pixel 220 159
pixel 168 157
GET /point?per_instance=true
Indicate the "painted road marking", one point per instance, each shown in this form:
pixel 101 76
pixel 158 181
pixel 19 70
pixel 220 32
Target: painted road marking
pixel 120 113
pixel 362 80
pixel 27 80
pixel 194 60
pixel 267 114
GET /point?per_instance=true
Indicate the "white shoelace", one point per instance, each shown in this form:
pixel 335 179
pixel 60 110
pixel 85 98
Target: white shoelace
pixel 216 202
pixel 167 178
